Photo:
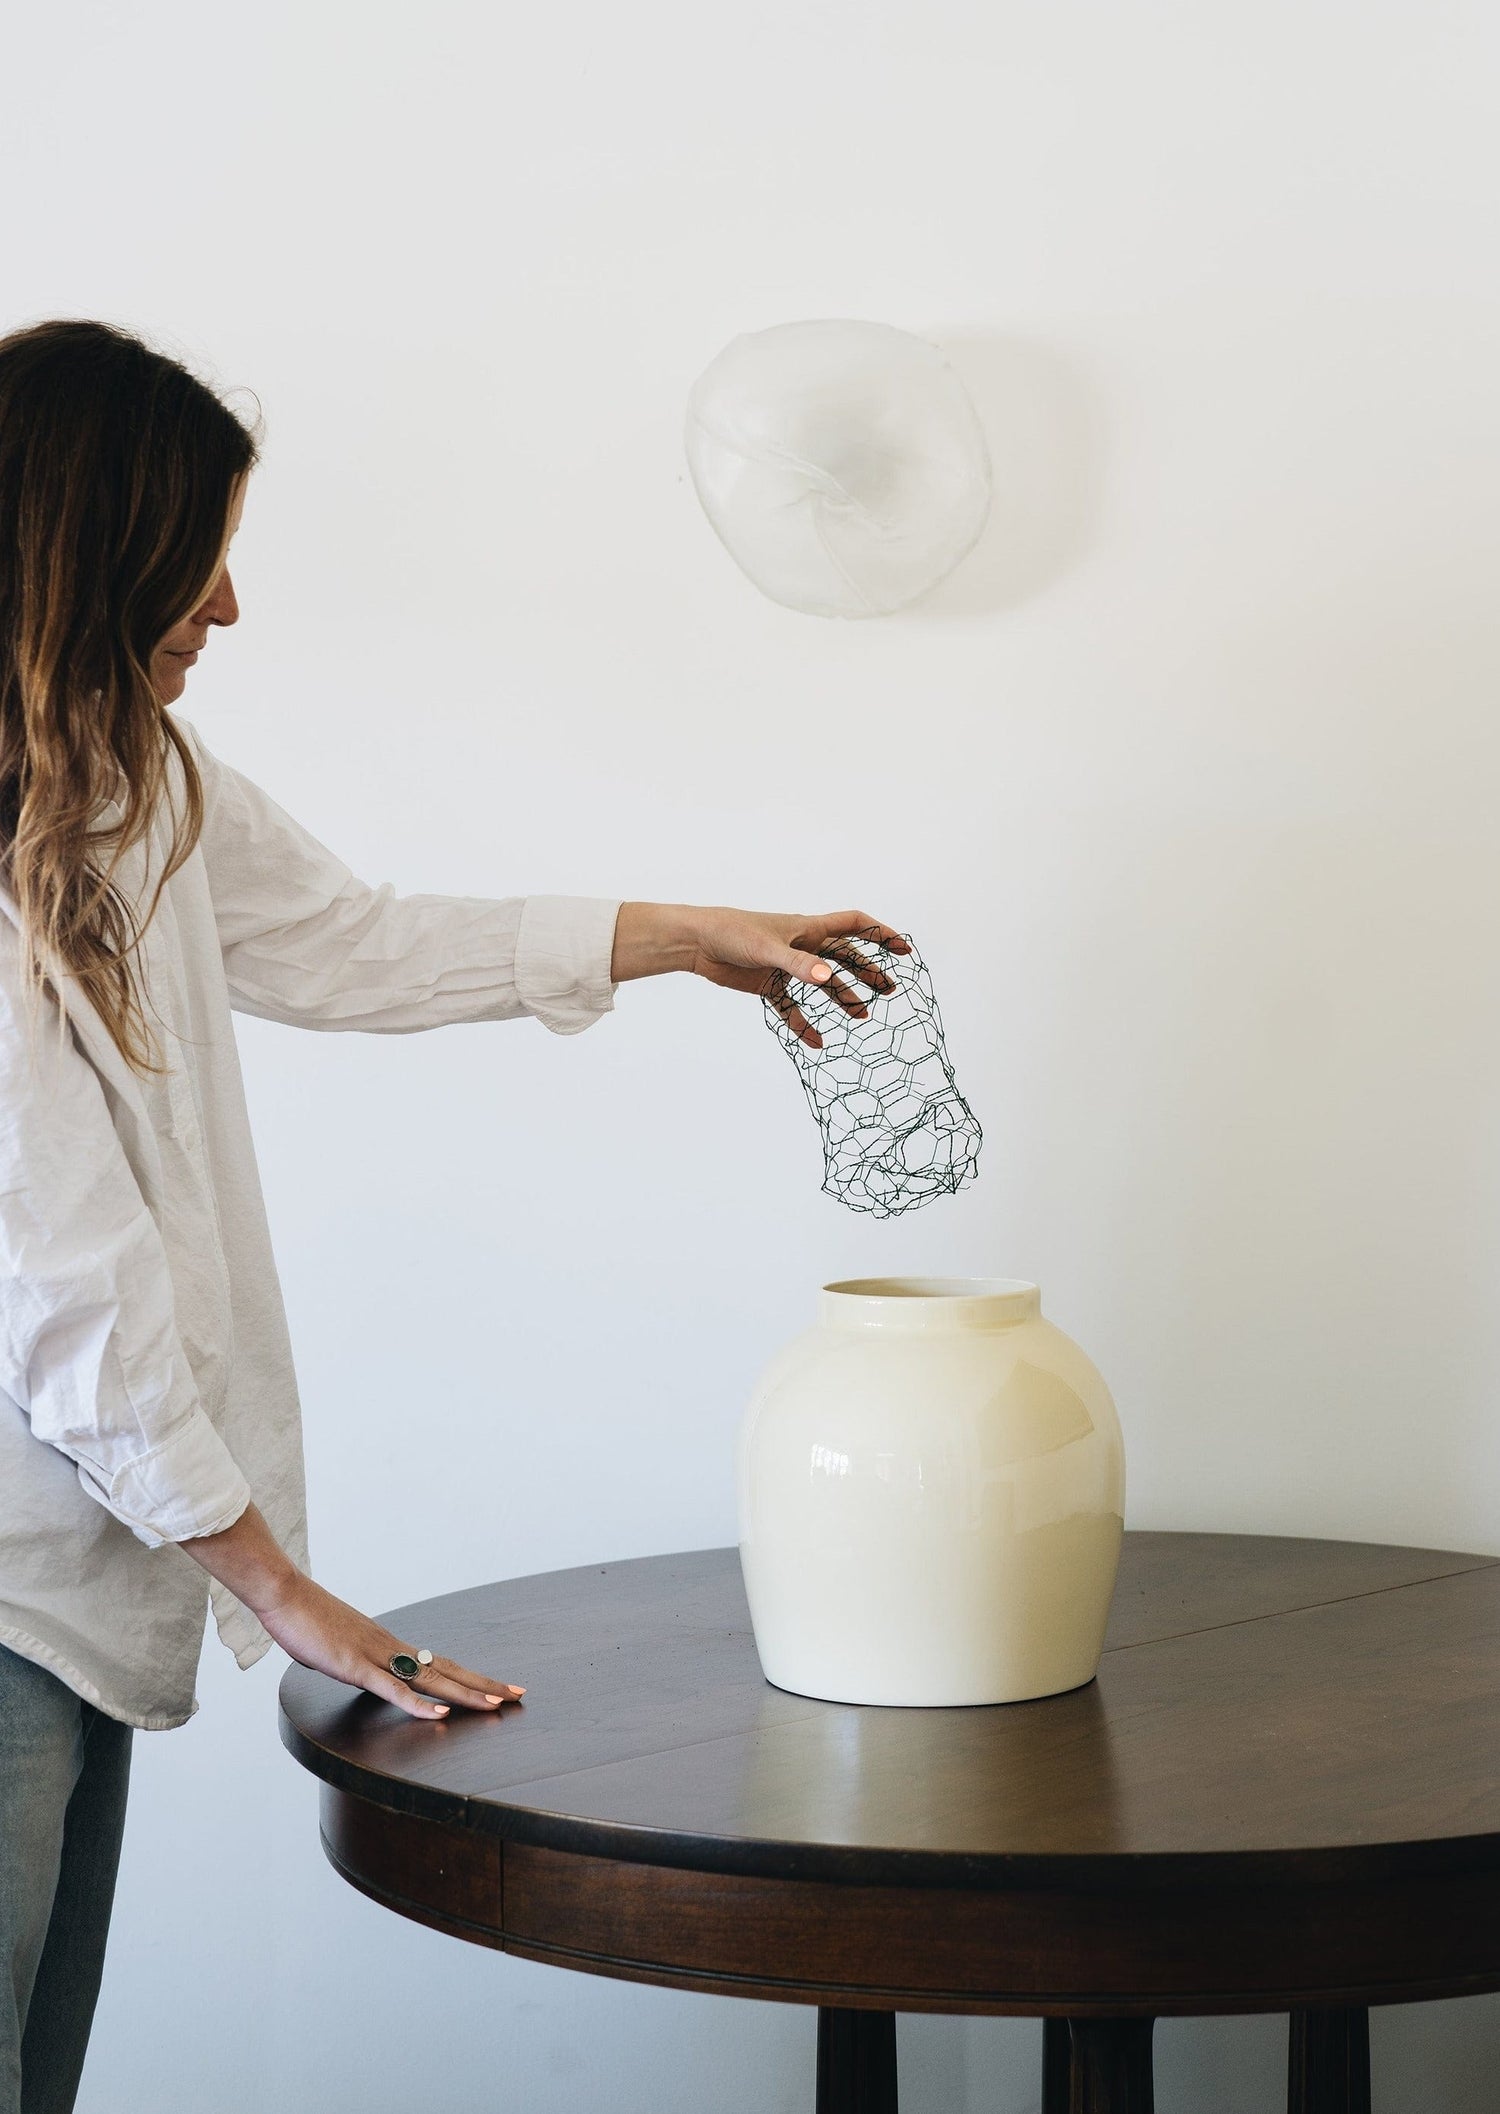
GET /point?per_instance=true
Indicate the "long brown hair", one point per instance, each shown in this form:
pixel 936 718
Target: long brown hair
pixel 117 472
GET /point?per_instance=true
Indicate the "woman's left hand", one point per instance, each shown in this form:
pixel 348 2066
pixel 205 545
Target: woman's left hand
pixel 746 950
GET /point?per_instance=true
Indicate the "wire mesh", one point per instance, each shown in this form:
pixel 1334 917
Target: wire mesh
pixel 896 1131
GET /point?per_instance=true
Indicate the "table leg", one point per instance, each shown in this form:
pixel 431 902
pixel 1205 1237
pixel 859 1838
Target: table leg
pixel 856 2062
pixel 1057 2066
pixel 1328 2062
pixel 1110 2067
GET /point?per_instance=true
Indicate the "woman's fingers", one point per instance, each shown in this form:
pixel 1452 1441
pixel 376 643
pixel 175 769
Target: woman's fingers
pixel 444 1682
pixel 768 952
pixel 851 924
pixel 847 997
pixel 781 998
pixel 855 942
pixel 481 1684
pixel 818 969
pixel 862 957
pixel 864 966
pixel 380 1681
pixel 445 1690
pixel 459 1684
pixel 839 988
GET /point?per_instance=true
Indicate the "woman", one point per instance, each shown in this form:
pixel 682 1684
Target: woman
pixel 149 1446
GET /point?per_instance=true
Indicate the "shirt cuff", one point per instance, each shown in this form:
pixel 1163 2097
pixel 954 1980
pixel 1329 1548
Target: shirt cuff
pixel 188 1485
pixel 563 952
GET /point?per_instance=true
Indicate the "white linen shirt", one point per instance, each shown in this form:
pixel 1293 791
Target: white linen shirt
pixel 146 1386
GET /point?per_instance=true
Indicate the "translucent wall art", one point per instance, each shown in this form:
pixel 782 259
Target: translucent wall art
pixel 842 464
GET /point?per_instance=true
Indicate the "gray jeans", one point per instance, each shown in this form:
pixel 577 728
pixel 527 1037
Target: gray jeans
pixel 64 1769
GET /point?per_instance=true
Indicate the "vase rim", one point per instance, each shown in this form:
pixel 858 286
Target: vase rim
pixel 931 1302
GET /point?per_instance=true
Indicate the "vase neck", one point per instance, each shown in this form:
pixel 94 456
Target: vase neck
pixel 929 1303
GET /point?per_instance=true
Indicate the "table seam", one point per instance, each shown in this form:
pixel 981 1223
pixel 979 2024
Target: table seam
pixel 502 1795
pixel 1209 1629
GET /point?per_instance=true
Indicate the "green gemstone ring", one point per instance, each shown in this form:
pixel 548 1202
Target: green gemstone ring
pixel 406 1665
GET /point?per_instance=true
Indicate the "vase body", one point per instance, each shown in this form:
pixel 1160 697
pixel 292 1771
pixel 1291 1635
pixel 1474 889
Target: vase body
pixel 932 1489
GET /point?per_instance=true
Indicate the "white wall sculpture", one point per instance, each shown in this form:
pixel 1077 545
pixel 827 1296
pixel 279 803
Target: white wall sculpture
pixel 841 464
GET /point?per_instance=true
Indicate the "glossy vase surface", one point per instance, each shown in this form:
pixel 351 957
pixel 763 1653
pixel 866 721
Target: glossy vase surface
pixel 932 1490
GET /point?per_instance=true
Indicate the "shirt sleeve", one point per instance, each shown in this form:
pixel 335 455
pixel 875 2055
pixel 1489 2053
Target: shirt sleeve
pixel 89 1348
pixel 306 943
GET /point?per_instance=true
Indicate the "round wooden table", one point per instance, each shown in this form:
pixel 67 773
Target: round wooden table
pixel 1281 1794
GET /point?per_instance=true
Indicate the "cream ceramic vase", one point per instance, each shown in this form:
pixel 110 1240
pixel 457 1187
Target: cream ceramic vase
pixel 932 1489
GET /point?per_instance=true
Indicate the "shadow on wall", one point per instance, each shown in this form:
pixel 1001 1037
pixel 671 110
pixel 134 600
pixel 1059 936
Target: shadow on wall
pixel 1296 1032
pixel 1046 432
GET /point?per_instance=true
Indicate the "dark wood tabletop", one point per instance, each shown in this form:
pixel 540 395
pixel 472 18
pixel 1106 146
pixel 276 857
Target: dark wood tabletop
pixel 1281 1794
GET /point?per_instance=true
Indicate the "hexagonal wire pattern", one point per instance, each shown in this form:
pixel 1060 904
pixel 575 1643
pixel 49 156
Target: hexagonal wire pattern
pixel 896 1131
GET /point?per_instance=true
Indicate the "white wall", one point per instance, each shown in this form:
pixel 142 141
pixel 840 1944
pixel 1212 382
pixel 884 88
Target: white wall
pixel 1186 782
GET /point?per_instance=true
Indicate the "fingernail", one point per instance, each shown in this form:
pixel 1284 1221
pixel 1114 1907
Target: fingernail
pixel 494 1699
pixel 440 1710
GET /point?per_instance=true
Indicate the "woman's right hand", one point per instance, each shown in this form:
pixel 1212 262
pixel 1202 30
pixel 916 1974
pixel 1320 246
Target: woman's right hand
pixel 323 1632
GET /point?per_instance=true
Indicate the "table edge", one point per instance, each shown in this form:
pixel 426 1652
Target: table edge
pixel 859 1864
